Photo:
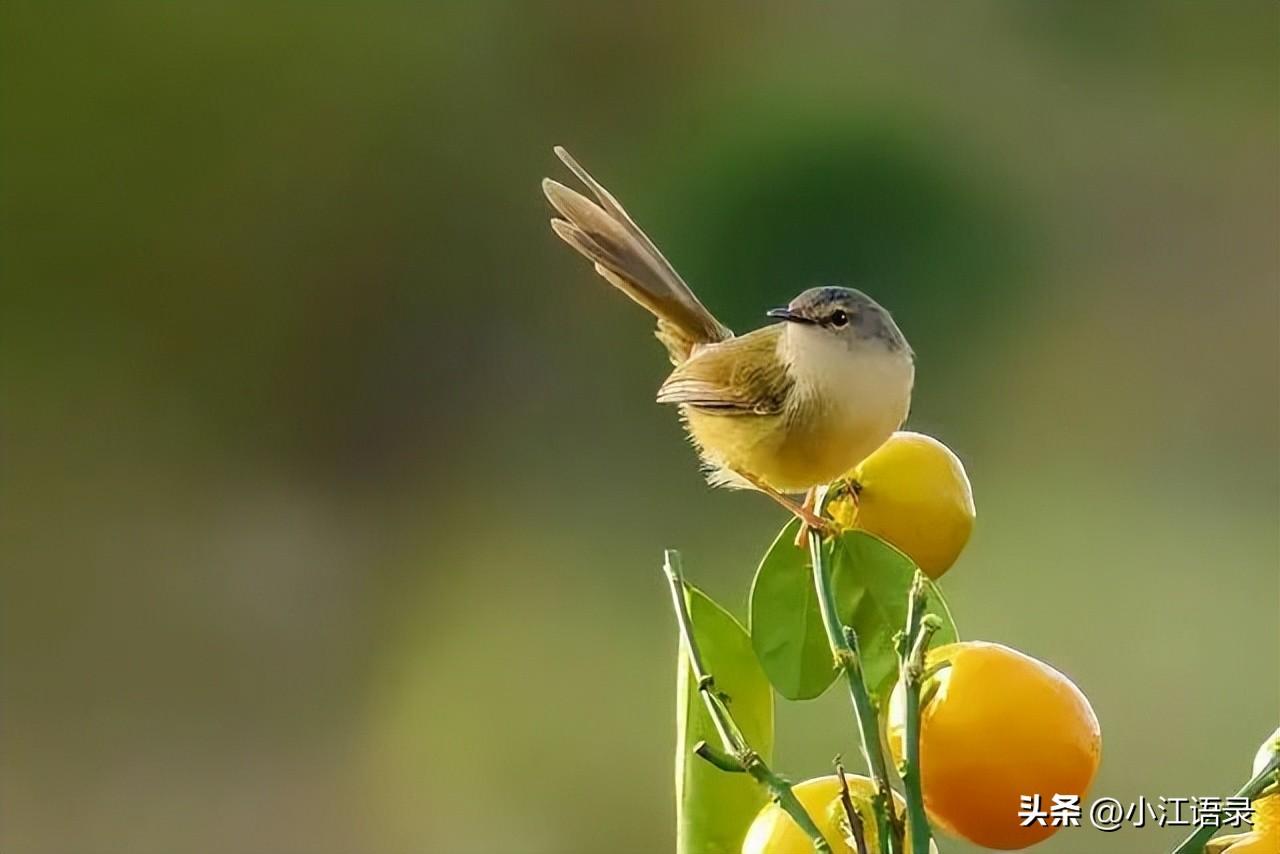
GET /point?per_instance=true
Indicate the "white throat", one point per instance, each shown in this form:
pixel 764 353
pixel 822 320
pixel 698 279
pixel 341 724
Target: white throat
pixel 853 377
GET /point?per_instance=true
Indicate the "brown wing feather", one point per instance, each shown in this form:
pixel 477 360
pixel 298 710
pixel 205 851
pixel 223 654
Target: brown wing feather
pixel 741 376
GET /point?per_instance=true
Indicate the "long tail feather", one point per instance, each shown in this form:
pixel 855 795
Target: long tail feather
pixel 625 257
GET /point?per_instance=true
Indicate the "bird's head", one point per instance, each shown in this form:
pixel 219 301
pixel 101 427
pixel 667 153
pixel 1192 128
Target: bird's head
pixel 847 314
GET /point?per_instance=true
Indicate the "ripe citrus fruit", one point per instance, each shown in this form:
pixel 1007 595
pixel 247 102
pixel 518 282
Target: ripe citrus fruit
pixel 1265 836
pixel 999 726
pixel 912 492
pixel 1263 839
pixel 773 831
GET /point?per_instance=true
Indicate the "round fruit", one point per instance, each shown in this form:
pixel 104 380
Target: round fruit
pixel 1000 726
pixel 773 831
pixel 1265 836
pixel 1263 839
pixel 912 492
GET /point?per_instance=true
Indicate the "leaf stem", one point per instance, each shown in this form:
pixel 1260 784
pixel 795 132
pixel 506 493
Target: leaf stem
pixel 737 756
pixel 1194 844
pixel 911 651
pixel 844 650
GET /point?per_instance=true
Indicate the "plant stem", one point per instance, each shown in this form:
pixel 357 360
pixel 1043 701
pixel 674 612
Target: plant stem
pixel 844 650
pixel 911 651
pixel 737 756
pixel 856 831
pixel 1194 844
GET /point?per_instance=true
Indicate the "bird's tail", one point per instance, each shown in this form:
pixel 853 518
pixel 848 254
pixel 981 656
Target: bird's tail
pixel 627 259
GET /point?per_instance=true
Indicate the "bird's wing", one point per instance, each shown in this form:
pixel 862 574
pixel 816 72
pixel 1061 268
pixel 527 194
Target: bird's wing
pixel 741 376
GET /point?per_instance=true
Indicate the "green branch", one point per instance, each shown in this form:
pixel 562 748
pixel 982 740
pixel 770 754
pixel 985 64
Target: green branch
pixel 737 756
pixel 844 650
pixel 912 646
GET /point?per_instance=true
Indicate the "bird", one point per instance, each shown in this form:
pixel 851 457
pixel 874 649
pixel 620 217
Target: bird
pixel 783 409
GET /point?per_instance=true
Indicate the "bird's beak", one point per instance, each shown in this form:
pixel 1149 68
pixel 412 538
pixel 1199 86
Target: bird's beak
pixel 788 315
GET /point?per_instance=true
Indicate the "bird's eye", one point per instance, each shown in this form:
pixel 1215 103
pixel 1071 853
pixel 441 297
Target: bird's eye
pixel 839 318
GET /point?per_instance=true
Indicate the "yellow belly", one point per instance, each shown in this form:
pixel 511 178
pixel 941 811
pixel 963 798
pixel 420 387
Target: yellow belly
pixel 789 453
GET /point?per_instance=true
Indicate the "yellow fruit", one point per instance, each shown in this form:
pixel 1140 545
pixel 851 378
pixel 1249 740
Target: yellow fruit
pixel 913 493
pixel 773 831
pixel 1255 842
pixel 1265 836
pixel 1263 839
pixel 1000 726
pixel 1266 819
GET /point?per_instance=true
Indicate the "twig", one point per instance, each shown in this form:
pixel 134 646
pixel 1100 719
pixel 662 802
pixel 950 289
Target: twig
pixel 856 831
pixel 844 650
pixel 936 668
pixel 911 650
pixel 737 756
pixel 1194 844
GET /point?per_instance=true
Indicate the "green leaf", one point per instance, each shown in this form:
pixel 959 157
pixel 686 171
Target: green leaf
pixel 872 581
pixel 786 626
pixel 714 808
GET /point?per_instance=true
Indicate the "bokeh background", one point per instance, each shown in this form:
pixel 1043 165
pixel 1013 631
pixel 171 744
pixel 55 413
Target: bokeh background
pixel 332 490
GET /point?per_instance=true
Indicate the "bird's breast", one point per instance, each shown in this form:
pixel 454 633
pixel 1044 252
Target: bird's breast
pixel 842 405
pixel 841 411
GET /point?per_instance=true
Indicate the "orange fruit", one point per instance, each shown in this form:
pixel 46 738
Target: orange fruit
pixel 1263 839
pixel 773 831
pixel 912 492
pixel 1001 725
pixel 1265 836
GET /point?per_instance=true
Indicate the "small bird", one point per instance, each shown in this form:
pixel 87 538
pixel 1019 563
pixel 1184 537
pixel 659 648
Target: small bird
pixel 783 409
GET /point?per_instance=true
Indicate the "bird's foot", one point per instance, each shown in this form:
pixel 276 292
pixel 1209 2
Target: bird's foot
pixel 810 521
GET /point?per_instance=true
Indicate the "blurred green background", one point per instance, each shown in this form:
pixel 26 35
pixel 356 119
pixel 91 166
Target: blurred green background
pixel 332 494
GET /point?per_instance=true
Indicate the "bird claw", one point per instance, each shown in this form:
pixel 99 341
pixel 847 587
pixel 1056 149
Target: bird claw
pixel 810 521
